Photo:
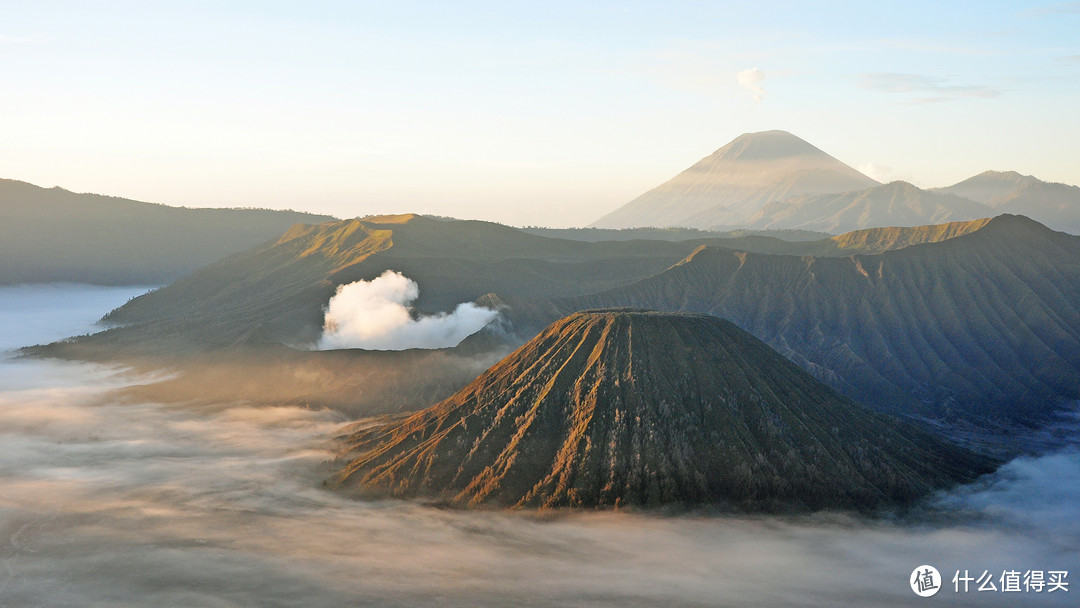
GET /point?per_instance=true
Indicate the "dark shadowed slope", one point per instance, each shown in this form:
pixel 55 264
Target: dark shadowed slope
pixel 893 204
pixel 726 187
pixel 611 408
pixel 51 235
pixel 985 326
pixel 277 292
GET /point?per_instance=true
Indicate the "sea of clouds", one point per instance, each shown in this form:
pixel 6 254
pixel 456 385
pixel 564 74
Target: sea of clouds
pixel 105 503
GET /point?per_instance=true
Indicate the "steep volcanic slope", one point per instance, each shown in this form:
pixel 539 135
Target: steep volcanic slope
pixel 55 235
pixel 893 204
pixel 610 408
pixel 277 291
pixel 726 187
pixel 985 326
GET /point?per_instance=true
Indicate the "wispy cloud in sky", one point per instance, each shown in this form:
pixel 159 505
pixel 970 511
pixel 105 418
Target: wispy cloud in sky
pixel 749 79
pixel 6 39
pixel 923 89
pixel 1052 9
pixel 963 46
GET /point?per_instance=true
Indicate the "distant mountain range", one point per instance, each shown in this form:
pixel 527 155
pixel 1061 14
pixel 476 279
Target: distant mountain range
pixel 277 291
pixel 629 408
pixel 775 180
pixel 972 323
pixel 50 234
pixel 1053 204
pixel 892 204
pixel 668 234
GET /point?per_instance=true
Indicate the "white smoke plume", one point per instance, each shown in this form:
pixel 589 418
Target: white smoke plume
pixel 877 172
pixel 749 79
pixel 885 173
pixel 375 315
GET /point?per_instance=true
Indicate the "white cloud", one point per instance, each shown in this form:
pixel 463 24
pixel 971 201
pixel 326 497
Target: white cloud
pixel 1061 8
pixel 880 173
pixel 375 315
pixel 5 39
pixel 922 89
pixel 749 79
pixel 884 173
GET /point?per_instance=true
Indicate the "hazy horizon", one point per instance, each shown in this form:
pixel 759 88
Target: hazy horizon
pixel 513 115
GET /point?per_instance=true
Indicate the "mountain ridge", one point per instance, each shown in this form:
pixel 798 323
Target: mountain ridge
pixel 278 290
pixel 989 185
pixel 52 234
pixel 953 330
pixel 896 203
pixel 984 326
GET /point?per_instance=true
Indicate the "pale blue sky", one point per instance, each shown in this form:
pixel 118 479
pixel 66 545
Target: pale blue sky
pixel 524 113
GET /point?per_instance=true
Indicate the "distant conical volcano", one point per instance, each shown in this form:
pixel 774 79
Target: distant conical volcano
pixel 729 185
pixel 617 407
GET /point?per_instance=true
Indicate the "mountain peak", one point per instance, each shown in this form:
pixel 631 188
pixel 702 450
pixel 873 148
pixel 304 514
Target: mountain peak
pixel 1015 224
pixel 732 183
pixel 900 185
pixel 989 186
pixel 607 408
pixel 1009 175
pixel 767 144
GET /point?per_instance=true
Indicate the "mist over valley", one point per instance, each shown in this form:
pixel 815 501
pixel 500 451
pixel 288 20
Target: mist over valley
pixel 110 501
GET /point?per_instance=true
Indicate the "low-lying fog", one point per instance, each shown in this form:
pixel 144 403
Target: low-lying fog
pixel 39 314
pixel 107 504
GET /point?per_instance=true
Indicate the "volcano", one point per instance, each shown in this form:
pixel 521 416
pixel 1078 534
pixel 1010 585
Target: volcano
pixel 730 185
pixel 612 408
